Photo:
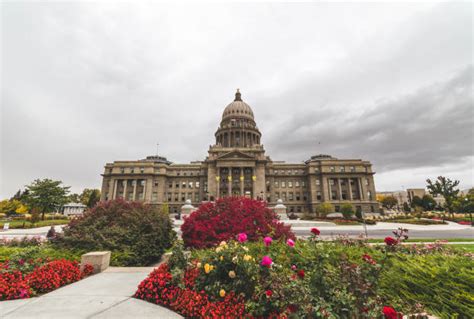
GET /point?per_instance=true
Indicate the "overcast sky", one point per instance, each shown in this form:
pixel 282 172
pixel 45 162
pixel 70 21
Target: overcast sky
pixel 84 84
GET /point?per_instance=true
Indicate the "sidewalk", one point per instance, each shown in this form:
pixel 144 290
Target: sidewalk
pixel 105 295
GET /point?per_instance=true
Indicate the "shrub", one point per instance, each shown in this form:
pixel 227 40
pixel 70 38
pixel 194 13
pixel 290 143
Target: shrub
pixel 140 233
pixel 229 216
pixel 324 209
pixel 12 286
pixel 347 210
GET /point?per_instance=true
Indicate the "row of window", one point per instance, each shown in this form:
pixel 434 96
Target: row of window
pixel 181 197
pixel 185 184
pixel 141 170
pixel 286 183
pixel 332 169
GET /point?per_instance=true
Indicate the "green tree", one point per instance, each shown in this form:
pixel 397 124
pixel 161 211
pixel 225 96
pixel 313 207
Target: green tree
pixel 347 210
pixel 324 209
pixel 12 207
pixel 94 198
pixel 428 202
pixel 46 195
pixel 389 202
pixel 406 207
pixel 465 204
pixel 74 198
pixel 447 188
pixel 416 201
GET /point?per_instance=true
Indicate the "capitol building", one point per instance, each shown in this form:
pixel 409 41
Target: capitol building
pixel 237 165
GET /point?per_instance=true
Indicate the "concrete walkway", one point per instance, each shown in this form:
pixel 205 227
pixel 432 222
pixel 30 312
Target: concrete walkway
pixel 105 295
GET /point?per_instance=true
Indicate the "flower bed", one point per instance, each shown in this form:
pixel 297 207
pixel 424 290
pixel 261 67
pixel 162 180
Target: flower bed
pixel 310 278
pixel 22 278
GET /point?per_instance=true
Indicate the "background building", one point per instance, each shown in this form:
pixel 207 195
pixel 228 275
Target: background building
pixel 237 165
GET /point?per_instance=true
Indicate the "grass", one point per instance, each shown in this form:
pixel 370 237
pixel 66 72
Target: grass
pixel 414 221
pixel 428 240
pixel 18 224
pixel 467 247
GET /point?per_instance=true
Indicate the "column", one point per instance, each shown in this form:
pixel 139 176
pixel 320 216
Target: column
pixel 324 188
pixel 144 190
pixel 115 188
pixel 254 184
pixel 330 190
pixel 229 182
pixel 339 188
pixel 134 196
pixel 218 182
pixel 242 182
pixel 125 189
pixel 350 188
pixel 361 192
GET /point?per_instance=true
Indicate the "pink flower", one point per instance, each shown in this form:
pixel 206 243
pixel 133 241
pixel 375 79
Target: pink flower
pixel 290 243
pixel 266 261
pixel 267 241
pixel 293 267
pixel 242 237
pixel 389 241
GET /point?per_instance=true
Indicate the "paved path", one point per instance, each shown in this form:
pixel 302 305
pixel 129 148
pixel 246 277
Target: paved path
pixel 105 295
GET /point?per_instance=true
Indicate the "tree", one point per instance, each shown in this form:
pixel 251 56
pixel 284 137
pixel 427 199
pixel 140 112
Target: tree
pixel 465 204
pixel 324 209
pixel 93 198
pixel 389 202
pixel 347 210
pixel 46 195
pixel 406 207
pixel 12 206
pixel 416 201
pixel 447 188
pixel 428 202
pixel 89 197
pixel 74 198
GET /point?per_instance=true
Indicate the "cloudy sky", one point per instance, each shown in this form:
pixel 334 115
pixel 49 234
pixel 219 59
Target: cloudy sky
pixel 88 83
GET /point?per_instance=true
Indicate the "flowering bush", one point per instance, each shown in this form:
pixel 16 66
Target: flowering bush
pixel 228 217
pixel 44 277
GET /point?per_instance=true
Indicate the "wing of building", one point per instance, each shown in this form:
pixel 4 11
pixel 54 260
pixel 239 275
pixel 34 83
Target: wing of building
pixel 237 166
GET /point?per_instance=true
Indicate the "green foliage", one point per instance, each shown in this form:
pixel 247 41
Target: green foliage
pixel 43 251
pixel 447 188
pixel 428 203
pixel 406 207
pixel 416 201
pixel 89 197
pixel 347 210
pixel 389 202
pixel 139 233
pixel 441 282
pixel 46 195
pixel 324 209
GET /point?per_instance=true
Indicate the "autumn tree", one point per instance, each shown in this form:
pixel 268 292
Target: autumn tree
pixel 389 202
pixel 46 195
pixel 447 188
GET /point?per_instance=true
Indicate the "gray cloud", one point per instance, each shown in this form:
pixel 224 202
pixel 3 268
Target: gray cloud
pixel 88 83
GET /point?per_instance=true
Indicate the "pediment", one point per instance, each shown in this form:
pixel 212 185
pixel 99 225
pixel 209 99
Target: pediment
pixel 235 155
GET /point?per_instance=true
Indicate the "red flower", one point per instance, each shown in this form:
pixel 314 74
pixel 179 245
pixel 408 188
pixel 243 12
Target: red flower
pixel 315 231
pixel 391 313
pixel 368 259
pixel 292 308
pixel 390 241
pixel 301 273
pixel 269 293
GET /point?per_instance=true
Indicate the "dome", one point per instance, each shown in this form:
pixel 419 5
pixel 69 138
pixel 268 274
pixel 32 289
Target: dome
pixel 238 108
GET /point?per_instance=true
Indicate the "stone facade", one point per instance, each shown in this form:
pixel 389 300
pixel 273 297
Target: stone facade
pixel 236 165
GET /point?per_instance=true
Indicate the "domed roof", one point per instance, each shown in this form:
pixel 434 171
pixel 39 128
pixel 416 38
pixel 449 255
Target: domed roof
pixel 238 108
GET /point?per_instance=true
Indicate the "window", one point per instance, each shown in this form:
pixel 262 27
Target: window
pixel 318 196
pixel 156 183
pixel 303 183
pixel 342 169
pixel 196 197
pixel 190 184
pixel 331 182
pixel 122 170
pixel 183 197
pixel 316 169
pixel 183 184
pixel 197 184
pixel 298 196
pixel 305 196
pixel 369 195
pixel 367 182
pixel 297 183
pixel 176 197
pixel 333 169
pixel 289 172
pixel 353 169
pixel 283 196
pixel 178 173
pixel 154 196
pixel 132 170
pixel 333 195
pixel 177 185
pixel 290 184
pixel 344 195
pixel 142 170
pixel 337 208
pixel 372 209
pixel 168 196
pixel 283 184
pixel 142 182
pixel 184 174
pixel 170 185
pixel 276 184
pixel 290 196
pixel 277 195
pixel 318 182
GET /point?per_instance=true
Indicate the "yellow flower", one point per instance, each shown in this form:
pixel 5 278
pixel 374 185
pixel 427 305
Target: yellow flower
pixel 223 243
pixel 222 293
pixel 245 248
pixel 218 249
pixel 232 274
pixel 208 268
pixel 221 258
pixel 247 257
pixel 235 259
pixel 198 265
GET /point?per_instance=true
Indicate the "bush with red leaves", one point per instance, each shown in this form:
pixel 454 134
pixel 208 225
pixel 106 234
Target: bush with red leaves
pixel 13 286
pixel 87 270
pixel 53 275
pixel 224 219
pixel 158 288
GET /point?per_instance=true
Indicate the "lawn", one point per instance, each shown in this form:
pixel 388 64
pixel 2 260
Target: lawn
pixel 16 224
